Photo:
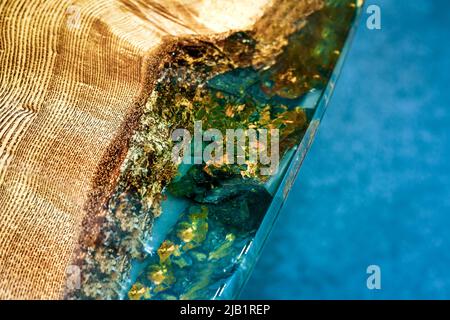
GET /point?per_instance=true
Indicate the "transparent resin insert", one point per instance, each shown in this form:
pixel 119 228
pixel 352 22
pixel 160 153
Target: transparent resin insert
pixel 215 219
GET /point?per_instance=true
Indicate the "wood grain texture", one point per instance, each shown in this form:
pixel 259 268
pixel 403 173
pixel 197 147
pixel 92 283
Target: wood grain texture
pixel 72 74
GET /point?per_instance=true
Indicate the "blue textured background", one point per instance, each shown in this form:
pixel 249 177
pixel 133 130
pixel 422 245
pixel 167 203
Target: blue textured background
pixel 375 187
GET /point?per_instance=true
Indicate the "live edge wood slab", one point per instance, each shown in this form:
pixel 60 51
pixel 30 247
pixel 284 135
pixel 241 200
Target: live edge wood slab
pixel 75 77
